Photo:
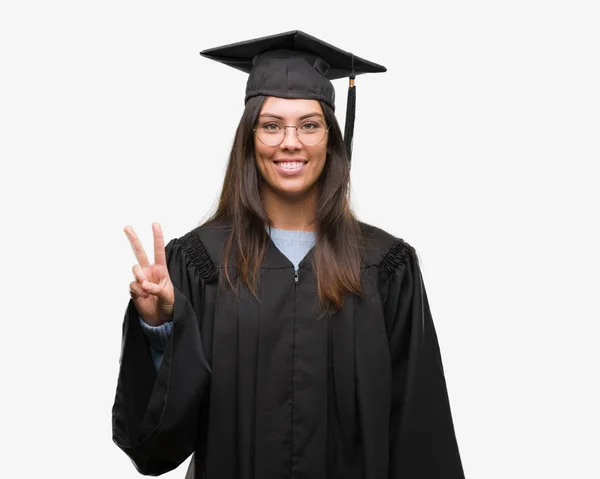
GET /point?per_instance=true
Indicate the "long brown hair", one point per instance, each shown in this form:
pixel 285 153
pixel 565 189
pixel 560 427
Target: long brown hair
pixel 337 252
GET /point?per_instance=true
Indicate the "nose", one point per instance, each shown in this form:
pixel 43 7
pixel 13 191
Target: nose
pixel 290 139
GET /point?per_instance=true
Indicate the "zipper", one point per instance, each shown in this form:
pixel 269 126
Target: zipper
pixel 292 408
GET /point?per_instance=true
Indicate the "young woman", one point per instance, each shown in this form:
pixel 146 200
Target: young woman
pixel 283 338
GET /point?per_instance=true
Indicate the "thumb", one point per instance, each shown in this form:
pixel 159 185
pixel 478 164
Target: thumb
pixel 151 288
pixel 158 290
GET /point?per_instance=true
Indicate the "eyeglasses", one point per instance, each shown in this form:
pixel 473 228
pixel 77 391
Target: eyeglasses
pixel 309 132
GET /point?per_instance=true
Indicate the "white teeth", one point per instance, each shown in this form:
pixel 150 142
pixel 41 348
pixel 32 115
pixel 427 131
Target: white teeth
pixel 291 165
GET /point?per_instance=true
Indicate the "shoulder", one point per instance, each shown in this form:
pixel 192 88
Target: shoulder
pixel 383 249
pixel 201 247
pixel 211 237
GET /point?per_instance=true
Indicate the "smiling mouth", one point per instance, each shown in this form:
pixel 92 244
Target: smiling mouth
pixel 279 162
pixel 288 167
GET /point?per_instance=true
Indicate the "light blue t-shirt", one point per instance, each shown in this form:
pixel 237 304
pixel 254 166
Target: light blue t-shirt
pixel 293 244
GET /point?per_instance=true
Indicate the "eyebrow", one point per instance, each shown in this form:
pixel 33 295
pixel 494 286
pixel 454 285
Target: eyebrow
pixel 308 115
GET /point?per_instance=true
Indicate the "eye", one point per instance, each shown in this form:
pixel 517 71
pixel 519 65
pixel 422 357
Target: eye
pixel 310 125
pixel 271 127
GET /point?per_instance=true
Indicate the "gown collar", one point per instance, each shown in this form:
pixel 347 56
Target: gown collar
pixel 274 258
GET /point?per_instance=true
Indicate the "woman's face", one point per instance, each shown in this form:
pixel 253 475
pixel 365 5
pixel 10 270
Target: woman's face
pixel 290 168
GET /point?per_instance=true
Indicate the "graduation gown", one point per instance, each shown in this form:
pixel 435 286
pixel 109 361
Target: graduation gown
pixel 265 389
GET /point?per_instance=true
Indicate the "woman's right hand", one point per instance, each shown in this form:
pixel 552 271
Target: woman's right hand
pixel 152 291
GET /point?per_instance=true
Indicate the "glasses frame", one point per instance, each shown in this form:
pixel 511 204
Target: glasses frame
pixel 285 132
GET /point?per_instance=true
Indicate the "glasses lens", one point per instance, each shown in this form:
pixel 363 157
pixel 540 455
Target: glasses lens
pixel 311 132
pixel 270 133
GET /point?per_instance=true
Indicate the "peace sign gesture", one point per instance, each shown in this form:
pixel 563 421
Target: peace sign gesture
pixel 152 292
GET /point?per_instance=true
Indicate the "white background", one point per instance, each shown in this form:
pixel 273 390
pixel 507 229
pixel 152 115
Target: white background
pixel 479 146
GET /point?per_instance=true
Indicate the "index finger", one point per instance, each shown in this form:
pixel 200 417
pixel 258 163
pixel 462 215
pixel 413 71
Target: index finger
pixel 137 247
pixel 159 245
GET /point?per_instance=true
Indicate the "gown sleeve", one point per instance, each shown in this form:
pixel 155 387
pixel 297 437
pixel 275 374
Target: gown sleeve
pixel 157 415
pixel 422 438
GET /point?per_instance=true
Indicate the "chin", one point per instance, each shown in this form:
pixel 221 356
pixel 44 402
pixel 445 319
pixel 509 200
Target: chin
pixel 291 191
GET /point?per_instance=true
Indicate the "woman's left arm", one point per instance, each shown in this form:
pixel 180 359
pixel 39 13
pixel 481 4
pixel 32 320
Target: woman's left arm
pixel 422 437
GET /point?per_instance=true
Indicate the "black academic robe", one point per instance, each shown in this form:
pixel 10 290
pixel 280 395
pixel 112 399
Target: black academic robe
pixel 265 390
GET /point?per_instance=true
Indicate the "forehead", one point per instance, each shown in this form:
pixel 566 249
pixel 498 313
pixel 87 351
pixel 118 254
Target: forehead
pixel 290 107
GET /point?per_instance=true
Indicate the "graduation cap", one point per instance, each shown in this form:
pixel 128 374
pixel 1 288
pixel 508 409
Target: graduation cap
pixel 296 65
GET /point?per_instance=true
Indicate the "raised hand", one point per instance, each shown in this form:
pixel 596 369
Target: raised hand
pixel 152 291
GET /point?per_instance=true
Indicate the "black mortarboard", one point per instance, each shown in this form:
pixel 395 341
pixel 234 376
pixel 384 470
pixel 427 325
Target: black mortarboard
pixel 296 65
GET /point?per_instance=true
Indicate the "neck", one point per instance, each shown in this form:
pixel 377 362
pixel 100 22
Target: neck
pixel 289 213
